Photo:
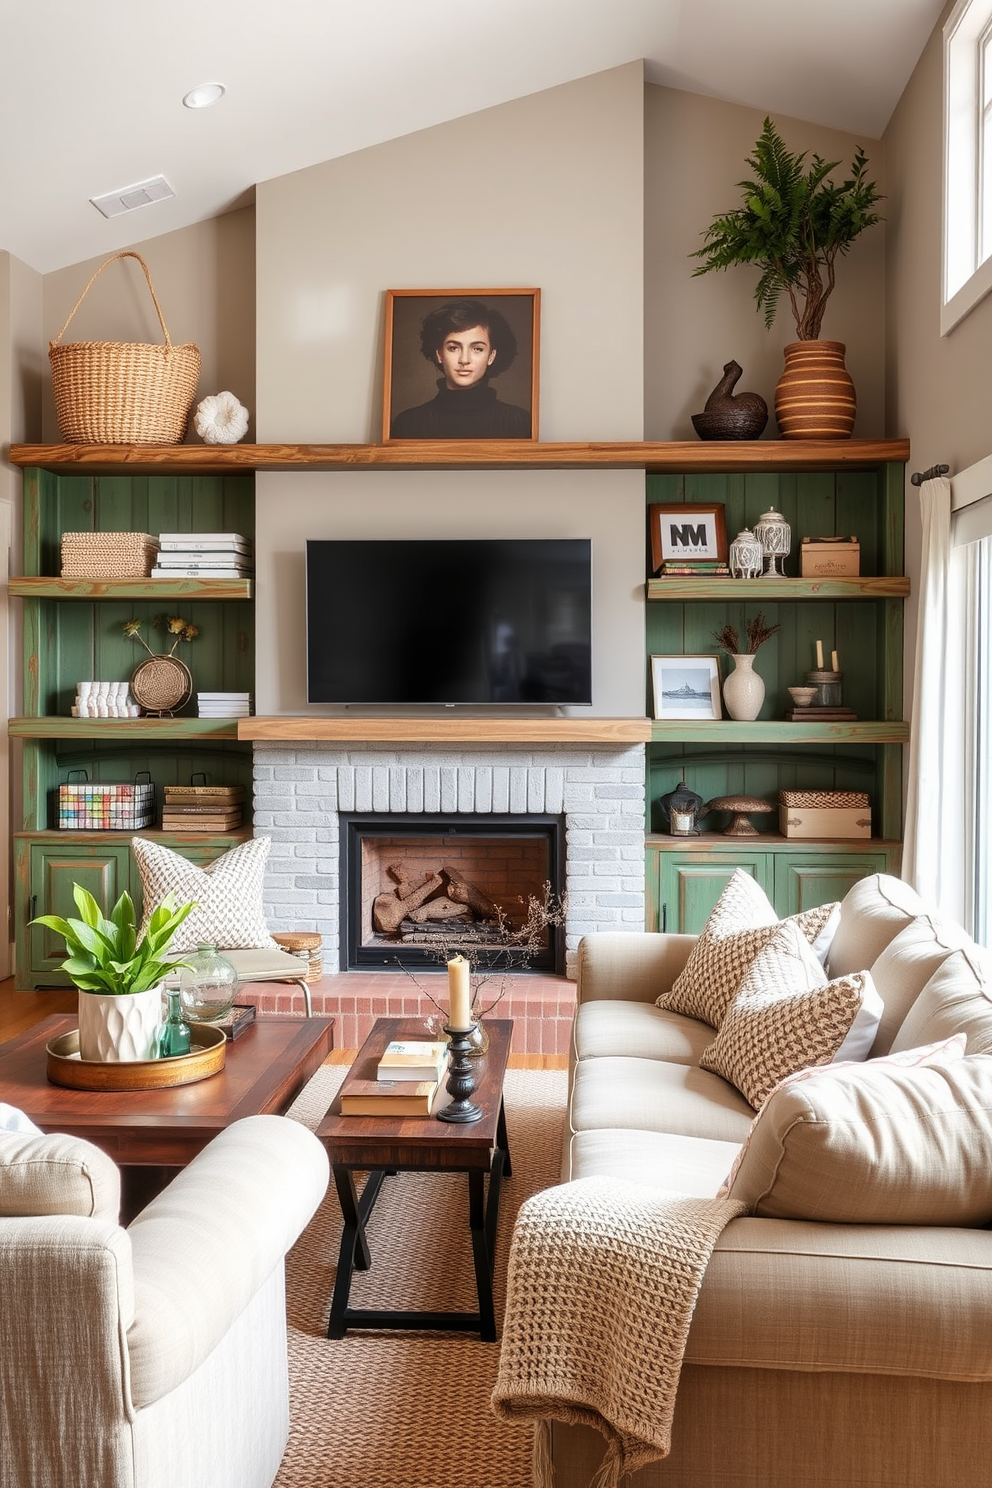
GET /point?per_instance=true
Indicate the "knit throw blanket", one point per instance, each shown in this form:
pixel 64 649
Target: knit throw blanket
pixel 603 1279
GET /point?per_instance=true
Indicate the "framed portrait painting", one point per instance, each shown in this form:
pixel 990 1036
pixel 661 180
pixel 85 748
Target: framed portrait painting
pixel 687 532
pixel 686 686
pixel 461 364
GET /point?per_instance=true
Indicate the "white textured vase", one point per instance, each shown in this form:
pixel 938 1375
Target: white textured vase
pixel 120 1028
pixel 743 691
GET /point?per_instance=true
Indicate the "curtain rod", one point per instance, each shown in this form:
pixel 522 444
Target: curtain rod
pixel 919 476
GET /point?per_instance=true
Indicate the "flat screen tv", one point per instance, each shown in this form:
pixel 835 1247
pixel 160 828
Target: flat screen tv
pixel 449 621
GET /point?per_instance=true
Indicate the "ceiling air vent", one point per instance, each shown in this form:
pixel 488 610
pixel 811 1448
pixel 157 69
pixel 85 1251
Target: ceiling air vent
pixel 115 203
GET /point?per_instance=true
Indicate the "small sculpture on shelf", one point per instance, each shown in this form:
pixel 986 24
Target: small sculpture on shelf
pixel 727 415
pixel 162 683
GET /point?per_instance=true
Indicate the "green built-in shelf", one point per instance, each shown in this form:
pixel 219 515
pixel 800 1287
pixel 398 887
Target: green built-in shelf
pixel 743 591
pixel 727 731
pixel 141 730
pixel 157 589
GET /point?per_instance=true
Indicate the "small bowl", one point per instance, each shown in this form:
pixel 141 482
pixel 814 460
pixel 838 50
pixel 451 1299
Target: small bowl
pixel 802 696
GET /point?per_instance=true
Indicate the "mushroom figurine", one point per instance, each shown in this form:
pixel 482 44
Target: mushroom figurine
pixel 742 807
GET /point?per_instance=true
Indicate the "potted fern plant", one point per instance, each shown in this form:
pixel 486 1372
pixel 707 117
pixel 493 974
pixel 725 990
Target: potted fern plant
pixel 794 222
pixel 117 974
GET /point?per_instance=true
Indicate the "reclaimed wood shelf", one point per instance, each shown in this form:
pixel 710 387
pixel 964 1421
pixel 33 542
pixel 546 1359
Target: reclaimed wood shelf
pixel 707 842
pixel 736 455
pixel 141 730
pixel 97 836
pixel 772 731
pixel 414 730
pixel 729 591
pixel 90 589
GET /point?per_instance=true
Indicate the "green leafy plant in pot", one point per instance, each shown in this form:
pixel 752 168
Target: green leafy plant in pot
pixel 118 975
pixel 793 224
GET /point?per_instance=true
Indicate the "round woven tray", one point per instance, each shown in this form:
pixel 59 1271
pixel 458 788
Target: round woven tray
pixel 205 1058
pixel 161 684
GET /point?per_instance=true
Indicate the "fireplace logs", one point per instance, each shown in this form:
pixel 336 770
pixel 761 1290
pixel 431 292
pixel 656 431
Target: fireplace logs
pixel 435 906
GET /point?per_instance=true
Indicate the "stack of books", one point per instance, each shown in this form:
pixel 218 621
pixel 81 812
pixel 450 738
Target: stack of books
pixel 406 1082
pixel 202 808
pixel 224 704
pixel 203 555
pixel 709 568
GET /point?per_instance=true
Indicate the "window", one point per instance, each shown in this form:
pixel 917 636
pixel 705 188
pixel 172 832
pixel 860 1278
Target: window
pixel 967 160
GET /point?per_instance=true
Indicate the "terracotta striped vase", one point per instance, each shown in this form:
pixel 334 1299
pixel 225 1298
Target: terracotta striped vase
pixel 815 395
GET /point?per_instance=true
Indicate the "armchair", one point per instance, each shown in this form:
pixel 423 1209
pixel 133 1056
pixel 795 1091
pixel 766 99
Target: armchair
pixel 154 1355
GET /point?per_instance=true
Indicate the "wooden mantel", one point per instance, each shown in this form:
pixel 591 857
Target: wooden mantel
pixel 477 454
pixel 434 730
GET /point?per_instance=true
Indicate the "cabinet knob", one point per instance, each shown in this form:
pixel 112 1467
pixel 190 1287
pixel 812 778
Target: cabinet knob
pixel 32 906
pixel 664 918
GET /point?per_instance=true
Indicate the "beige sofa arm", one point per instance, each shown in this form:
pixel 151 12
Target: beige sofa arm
pixel 855 1299
pixel 205 1245
pixel 631 965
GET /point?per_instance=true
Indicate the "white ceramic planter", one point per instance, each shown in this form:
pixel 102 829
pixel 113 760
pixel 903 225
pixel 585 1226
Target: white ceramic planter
pixel 120 1028
pixel 743 691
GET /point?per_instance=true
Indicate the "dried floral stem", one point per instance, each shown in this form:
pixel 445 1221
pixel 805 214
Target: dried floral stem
pixel 757 629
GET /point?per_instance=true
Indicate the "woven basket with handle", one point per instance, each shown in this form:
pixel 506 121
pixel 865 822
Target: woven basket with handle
pixel 123 392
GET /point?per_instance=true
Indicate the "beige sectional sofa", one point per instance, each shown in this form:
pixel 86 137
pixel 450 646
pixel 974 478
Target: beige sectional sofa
pixel 829 1351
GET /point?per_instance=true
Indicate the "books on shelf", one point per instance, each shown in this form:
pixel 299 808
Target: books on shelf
pixel 199 793
pixel 224 704
pixel 387 1097
pixel 413 1059
pixel 203 555
pixel 202 808
pixel 202 571
pixel 704 568
pixel 201 542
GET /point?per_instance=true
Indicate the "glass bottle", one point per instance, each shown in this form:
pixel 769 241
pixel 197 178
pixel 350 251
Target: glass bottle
pixel 174 1038
pixel 207 986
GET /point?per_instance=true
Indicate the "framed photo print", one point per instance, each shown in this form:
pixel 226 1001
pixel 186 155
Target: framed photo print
pixel 687 533
pixel 461 364
pixel 686 686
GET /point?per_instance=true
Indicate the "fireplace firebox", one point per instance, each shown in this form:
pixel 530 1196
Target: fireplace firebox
pixel 413 885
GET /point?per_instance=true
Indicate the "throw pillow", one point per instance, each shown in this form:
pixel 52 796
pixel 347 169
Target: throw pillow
pixel 227 893
pixel 785 1017
pixel 56 1174
pixel 956 999
pixel 740 925
pixel 876 1143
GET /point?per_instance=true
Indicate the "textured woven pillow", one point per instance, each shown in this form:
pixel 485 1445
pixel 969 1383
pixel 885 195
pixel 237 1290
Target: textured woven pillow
pixel 876 1143
pixel 741 924
pixel 227 892
pixel 785 1017
pixel 56 1174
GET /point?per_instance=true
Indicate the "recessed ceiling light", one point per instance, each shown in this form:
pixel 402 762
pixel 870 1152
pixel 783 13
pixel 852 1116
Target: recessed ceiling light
pixel 204 96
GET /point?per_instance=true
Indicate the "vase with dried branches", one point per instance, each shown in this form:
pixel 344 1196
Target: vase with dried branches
pixel 744 690
pixel 509 948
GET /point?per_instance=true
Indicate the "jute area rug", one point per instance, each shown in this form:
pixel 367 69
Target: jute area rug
pixel 410 1410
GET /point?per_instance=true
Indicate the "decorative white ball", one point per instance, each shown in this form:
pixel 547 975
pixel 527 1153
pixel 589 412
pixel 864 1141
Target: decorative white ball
pixel 221 419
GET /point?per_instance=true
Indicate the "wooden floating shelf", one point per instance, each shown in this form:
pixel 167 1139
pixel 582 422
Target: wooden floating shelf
pixel 480 454
pixel 146 729
pixel 734 591
pixel 708 842
pixel 451 730
pixel 89 589
pixel 169 839
pixel 771 731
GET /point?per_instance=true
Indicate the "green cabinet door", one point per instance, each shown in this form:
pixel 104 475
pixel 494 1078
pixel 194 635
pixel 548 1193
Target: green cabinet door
pixel 48 871
pixel 803 880
pixel 689 884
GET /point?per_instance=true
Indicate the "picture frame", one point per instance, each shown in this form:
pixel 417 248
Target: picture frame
pixel 686 687
pixel 687 532
pixel 423 384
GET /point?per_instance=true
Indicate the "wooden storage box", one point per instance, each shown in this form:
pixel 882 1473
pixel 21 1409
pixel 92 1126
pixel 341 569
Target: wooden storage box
pixel 829 558
pixel 838 814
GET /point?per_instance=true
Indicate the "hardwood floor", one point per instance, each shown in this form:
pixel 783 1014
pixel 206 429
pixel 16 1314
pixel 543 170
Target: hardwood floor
pixel 21 1010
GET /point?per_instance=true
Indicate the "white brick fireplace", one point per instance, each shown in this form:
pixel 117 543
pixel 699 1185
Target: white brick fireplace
pixel 301 786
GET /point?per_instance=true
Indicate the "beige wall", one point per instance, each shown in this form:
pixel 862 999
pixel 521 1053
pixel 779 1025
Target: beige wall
pixel 695 153
pixel 204 278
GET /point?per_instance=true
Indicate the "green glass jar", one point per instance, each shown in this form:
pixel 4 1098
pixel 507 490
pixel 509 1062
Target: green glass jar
pixel 174 1038
pixel 207 986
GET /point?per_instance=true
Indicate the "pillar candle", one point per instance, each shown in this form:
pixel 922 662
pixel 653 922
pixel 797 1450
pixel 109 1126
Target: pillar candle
pixel 819 656
pixel 459 993
pixel 833 661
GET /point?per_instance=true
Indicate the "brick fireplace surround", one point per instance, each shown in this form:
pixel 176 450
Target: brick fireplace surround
pixel 301 785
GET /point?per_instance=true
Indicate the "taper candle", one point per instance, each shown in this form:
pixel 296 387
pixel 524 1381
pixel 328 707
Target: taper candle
pixel 819 656
pixel 833 661
pixel 459 994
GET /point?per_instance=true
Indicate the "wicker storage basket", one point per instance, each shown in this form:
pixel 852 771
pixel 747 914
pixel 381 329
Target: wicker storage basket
pixel 108 555
pixel 123 392
pixel 306 944
pixel 824 799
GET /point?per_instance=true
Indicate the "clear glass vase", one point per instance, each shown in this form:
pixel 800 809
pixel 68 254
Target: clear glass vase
pixel 478 1039
pixel 207 986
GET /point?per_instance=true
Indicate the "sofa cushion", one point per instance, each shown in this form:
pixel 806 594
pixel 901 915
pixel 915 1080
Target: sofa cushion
pixel 872 913
pixel 639 1029
pixel 227 893
pixel 786 1017
pixel 958 997
pixel 685 1165
pixel 56 1174
pixel 741 924
pixel 886 1142
pixel 905 966
pixel 653 1095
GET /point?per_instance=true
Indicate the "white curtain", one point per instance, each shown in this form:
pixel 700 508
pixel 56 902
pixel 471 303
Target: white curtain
pixel 936 852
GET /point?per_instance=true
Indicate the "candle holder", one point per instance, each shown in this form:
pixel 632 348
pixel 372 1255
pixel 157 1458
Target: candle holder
pixel 461 1079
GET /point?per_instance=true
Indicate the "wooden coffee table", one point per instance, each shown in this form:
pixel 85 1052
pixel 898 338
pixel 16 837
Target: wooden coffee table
pixel 152 1133
pixel 381 1145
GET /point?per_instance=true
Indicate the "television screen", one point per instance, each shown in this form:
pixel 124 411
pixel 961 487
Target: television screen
pixel 504 620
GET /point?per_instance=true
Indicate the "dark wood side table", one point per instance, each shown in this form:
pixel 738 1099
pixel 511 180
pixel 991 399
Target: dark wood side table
pixel 152 1133
pixel 383 1144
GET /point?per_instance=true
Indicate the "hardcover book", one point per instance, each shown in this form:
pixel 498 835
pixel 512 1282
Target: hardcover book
pixel 387 1097
pixel 413 1059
